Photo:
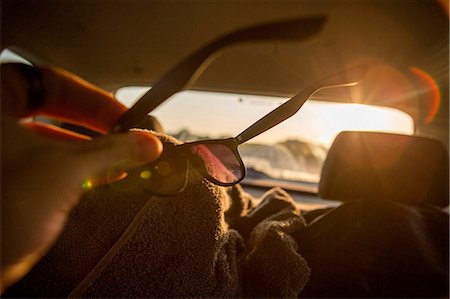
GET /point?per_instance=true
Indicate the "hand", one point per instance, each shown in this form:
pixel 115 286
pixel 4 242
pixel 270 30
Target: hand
pixel 43 167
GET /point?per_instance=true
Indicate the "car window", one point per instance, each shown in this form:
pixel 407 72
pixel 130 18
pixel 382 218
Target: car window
pixel 293 151
pixel 8 56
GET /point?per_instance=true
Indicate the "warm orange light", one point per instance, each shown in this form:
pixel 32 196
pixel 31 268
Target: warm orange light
pixel 356 117
pixel 445 5
pixel 429 91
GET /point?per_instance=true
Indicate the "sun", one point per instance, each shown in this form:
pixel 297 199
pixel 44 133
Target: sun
pixel 358 117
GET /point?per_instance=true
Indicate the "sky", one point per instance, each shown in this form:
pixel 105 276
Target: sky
pixel 224 114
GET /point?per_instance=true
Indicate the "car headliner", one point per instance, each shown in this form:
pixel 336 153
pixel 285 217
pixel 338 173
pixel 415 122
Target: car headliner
pixel 114 44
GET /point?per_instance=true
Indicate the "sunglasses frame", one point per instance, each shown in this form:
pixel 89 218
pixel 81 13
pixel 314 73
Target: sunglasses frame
pixel 348 77
pixel 181 158
pixel 189 69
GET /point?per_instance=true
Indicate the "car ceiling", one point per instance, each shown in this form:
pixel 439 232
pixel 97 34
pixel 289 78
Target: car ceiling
pixel 117 43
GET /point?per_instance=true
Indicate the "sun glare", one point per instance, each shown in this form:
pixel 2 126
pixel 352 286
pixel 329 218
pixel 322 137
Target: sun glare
pixel 357 117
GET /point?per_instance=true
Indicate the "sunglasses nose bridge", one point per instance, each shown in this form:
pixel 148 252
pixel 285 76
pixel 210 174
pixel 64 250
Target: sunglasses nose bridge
pixel 194 161
pixel 241 162
pixel 239 157
pixel 165 176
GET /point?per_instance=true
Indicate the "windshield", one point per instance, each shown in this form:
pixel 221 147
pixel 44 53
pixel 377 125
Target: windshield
pixel 293 151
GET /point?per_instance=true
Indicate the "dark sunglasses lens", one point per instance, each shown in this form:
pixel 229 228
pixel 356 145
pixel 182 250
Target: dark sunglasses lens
pixel 165 176
pixel 220 162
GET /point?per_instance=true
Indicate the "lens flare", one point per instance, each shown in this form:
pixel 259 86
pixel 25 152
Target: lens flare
pixel 88 185
pixel 146 174
pixel 429 91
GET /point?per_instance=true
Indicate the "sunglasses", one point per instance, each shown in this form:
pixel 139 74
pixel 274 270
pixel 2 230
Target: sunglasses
pixel 218 160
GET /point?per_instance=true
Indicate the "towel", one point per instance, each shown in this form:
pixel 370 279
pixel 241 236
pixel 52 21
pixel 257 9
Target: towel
pixel 202 264
pixel 207 241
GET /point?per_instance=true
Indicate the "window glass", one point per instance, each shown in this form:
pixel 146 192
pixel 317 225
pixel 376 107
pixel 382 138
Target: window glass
pixel 7 56
pixel 292 151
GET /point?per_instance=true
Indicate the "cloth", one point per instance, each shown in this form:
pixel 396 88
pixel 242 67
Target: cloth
pixel 210 241
pixel 131 244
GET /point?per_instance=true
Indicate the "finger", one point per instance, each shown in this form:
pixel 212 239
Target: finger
pixel 50 131
pixel 77 101
pixel 94 158
pixel 66 97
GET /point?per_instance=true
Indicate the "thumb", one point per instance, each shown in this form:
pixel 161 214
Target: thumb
pixel 94 158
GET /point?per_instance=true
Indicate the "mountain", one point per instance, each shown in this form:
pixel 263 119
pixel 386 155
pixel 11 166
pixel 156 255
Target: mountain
pixel 310 156
pixel 280 162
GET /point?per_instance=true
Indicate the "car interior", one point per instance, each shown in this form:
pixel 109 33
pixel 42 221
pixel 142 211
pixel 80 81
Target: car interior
pixel 335 203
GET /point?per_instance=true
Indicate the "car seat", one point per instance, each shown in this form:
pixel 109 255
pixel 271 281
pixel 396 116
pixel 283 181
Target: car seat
pixel 390 236
pixel 405 169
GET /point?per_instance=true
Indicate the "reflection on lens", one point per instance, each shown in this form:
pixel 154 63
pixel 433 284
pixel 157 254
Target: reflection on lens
pixel 165 176
pixel 164 168
pixel 220 162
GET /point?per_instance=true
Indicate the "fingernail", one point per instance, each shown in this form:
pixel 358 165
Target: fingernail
pixel 146 147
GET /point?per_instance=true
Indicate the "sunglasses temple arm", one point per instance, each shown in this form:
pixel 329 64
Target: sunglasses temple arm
pixel 189 69
pixel 276 116
pixel 349 77
pixel 171 82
